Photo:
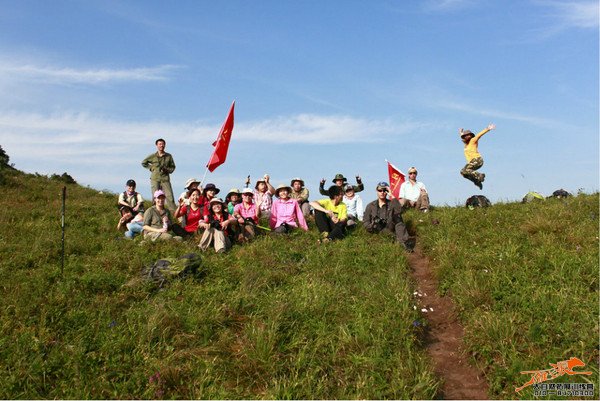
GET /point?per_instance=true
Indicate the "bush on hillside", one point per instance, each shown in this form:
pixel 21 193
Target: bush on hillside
pixel 66 178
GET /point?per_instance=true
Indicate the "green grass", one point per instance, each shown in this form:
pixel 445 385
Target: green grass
pixel 278 318
pixel 525 280
pixel 283 317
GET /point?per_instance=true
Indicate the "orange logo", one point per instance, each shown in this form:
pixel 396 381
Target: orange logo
pixel 558 369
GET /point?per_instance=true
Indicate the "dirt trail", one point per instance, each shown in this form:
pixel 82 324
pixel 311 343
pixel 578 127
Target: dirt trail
pixel 443 339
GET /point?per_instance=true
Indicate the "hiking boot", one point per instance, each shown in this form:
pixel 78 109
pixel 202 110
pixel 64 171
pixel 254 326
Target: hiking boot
pixel 482 177
pixel 479 185
pixel 324 234
pixel 407 248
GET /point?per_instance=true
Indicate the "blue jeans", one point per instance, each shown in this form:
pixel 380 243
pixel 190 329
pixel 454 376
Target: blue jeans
pixel 133 229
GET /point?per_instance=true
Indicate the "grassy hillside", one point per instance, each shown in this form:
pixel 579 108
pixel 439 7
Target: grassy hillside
pixel 283 317
pixel 525 279
pixel 279 318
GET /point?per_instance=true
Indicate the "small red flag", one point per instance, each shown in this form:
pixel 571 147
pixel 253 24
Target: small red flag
pixel 396 180
pixel 222 143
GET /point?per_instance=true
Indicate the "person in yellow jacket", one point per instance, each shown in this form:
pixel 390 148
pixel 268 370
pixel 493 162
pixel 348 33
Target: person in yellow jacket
pixel 474 159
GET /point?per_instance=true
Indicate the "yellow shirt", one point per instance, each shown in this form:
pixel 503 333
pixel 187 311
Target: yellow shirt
pixel 471 151
pixel 340 210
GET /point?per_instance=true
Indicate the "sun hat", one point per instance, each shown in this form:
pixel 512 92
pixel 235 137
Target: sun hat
pixel 247 191
pixel 259 181
pixel 130 183
pixel 300 180
pixel 465 133
pixel 280 187
pixel 158 193
pixel 233 191
pixel 211 186
pixel 216 200
pixel 339 177
pixel 189 182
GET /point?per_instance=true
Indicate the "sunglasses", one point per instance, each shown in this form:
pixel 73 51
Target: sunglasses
pixel 382 190
pixel 412 173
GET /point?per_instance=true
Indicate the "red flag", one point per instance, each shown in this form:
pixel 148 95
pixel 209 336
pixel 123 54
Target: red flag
pixel 396 180
pixel 222 143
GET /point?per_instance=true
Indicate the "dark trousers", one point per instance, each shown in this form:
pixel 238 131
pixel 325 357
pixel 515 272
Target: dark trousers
pixel 325 224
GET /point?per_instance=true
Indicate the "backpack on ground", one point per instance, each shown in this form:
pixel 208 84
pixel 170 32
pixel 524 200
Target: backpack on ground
pixel 560 193
pixel 477 201
pixel 164 270
pixel 531 197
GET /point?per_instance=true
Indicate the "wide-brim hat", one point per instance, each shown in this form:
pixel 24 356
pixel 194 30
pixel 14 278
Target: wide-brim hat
pixel 211 186
pixel 297 179
pixel 257 182
pixel 189 182
pixel 339 177
pixel 233 191
pixel 465 133
pixel 247 191
pixel 216 200
pixel 282 186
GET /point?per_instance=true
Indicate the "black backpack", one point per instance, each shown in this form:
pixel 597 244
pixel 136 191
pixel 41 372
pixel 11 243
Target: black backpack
pixel 477 201
pixel 560 193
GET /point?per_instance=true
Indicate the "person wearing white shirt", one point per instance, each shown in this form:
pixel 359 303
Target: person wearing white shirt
pixel 354 205
pixel 413 193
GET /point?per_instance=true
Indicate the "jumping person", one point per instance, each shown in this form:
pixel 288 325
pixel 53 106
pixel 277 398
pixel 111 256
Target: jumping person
pixel 474 159
pixel 161 164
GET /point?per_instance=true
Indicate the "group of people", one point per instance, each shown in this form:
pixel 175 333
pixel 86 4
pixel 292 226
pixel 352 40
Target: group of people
pixel 238 218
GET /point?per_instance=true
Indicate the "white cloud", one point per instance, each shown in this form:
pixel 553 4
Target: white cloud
pixel 574 14
pixel 447 5
pixel 64 75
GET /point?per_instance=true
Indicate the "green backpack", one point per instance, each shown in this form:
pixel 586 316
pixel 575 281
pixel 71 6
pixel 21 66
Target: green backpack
pixel 164 270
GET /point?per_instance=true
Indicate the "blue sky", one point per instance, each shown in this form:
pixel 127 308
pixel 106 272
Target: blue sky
pixel 321 87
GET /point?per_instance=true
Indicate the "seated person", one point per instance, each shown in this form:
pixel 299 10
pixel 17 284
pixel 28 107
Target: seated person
pixel 158 220
pixel 263 196
pixel 190 215
pixel 216 224
pixel 331 215
pixel 246 214
pixel 385 216
pixel 190 185
pixel 285 212
pixel 300 193
pixel 135 226
pixel 130 203
pixel 208 193
pixel 232 199
pixel 413 193
pixel 340 181
pixel 354 205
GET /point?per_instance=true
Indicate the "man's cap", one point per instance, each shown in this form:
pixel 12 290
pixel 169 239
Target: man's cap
pixel 348 187
pixel 382 185
pixel 189 182
pixel 339 177
pixel 158 193
pixel 412 170
pixel 130 183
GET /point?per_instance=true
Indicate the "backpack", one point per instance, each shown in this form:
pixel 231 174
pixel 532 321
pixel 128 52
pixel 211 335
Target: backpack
pixel 560 193
pixel 164 270
pixel 532 196
pixel 477 201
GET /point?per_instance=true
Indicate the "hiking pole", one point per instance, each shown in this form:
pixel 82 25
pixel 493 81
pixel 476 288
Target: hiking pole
pixel 247 181
pixel 62 223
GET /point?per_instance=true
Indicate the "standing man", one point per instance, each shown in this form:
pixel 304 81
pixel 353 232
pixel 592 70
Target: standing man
pixel 413 193
pixel 385 216
pixel 161 164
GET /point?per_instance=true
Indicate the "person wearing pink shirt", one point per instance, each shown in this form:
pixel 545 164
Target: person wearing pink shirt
pixel 246 214
pixel 286 213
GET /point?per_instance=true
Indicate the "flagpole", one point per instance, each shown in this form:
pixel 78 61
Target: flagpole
pixel 202 182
